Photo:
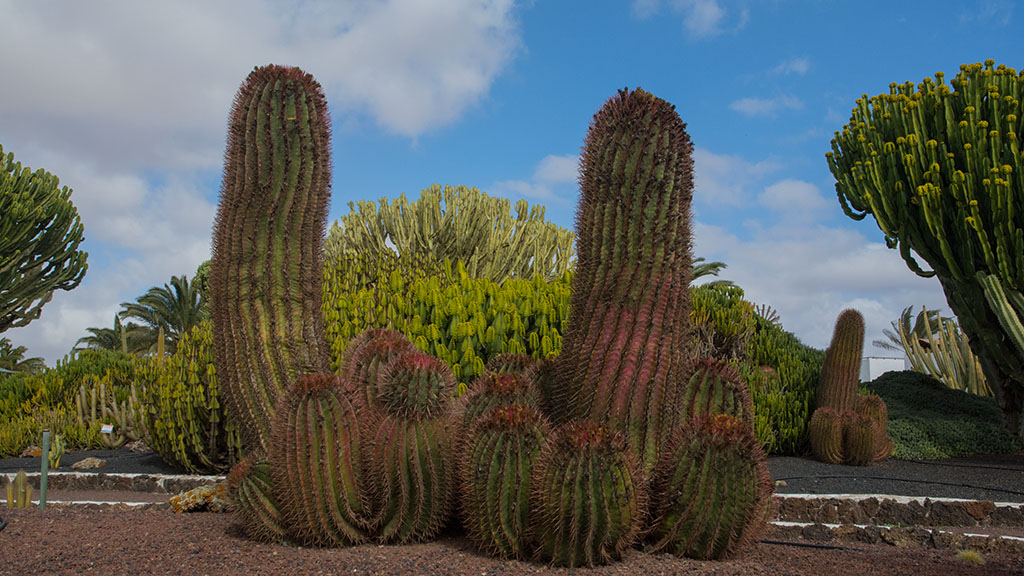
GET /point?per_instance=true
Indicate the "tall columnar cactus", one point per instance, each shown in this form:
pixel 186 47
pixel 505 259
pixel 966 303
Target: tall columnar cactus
pixel 715 387
pixel 589 496
pixel 712 494
pixel 252 500
pixel 939 168
pixel 840 373
pixel 847 428
pixel 495 462
pixel 625 348
pixel 318 463
pixel 266 271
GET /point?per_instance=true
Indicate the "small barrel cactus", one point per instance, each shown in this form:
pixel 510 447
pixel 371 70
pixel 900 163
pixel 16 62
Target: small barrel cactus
pixel 512 364
pixel 252 500
pixel 711 489
pixel 589 496
pixel 715 387
pixel 826 435
pixel 492 389
pixel 497 456
pixel 415 385
pixel 318 463
pixel 847 428
pixel 367 354
pixel 413 476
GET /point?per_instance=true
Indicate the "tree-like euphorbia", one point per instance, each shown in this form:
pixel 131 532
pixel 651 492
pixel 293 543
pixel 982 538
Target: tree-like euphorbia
pixel 939 167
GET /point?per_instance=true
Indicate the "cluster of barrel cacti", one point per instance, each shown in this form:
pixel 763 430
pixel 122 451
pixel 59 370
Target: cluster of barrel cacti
pixel 848 428
pixel 569 459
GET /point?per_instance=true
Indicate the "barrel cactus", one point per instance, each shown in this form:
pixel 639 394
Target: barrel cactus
pixel 715 387
pixel 711 491
pixel 496 459
pixel 589 496
pixel 367 354
pixel 266 273
pixel 415 385
pixel 494 389
pixel 413 477
pixel 626 345
pixel 847 428
pixel 317 459
pixel 252 499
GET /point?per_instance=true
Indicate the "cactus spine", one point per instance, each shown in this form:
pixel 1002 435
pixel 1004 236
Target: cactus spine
pixel 589 496
pixel 317 462
pixel 847 428
pixel 497 458
pixel 252 500
pixel 625 347
pixel 266 271
pixel 712 490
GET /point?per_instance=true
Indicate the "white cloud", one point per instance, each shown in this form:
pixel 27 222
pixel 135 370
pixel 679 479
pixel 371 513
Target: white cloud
pixel 725 180
pixel 794 201
pixel 765 106
pixel 127 103
pixel 810 273
pixel 553 183
pixel 138 83
pixel 702 19
pixel 798 66
pixel 644 8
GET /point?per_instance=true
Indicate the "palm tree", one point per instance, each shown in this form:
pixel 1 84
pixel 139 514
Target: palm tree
pixel 12 359
pixel 701 268
pixel 176 307
pixel 130 338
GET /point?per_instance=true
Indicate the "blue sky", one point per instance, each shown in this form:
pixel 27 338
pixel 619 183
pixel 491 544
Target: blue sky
pixel 127 103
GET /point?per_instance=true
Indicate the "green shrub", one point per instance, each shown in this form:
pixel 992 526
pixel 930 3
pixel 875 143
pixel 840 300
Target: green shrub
pixel 783 376
pixel 463 321
pixel 185 419
pixel 928 420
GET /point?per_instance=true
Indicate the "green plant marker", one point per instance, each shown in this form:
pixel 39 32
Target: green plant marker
pixel 45 468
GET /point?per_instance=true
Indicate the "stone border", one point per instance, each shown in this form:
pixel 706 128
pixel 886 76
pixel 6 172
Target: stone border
pixel 896 511
pixel 900 536
pixel 152 483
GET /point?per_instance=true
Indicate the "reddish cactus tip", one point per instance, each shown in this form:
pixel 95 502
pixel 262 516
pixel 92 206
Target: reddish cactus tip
pixel 511 417
pixel 315 383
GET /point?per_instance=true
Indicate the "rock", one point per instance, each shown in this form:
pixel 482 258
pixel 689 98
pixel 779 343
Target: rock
pixel 817 533
pixel 137 446
pixel 89 464
pixel 32 452
pixel 210 498
pixel 979 509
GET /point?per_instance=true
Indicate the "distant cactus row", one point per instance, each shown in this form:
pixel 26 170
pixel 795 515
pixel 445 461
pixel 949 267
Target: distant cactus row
pixel 569 459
